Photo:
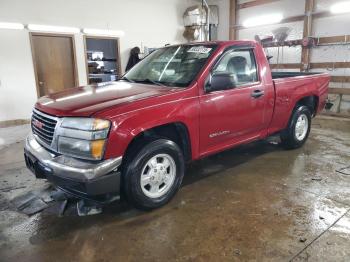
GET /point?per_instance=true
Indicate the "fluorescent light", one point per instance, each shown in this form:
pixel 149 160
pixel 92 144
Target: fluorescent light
pixel 341 7
pixel 90 31
pixel 263 20
pixel 50 28
pixel 18 26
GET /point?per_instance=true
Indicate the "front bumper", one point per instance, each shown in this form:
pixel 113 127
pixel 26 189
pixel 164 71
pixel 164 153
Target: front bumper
pixel 97 181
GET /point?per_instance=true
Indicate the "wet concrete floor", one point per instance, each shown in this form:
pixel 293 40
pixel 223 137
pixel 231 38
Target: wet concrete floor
pixel 257 202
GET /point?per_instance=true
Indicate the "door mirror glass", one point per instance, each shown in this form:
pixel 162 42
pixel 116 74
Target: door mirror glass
pixel 221 81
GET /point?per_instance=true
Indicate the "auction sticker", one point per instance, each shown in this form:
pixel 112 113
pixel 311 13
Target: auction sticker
pixel 199 49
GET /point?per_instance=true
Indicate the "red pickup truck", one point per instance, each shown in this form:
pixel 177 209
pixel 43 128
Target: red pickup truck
pixel 133 137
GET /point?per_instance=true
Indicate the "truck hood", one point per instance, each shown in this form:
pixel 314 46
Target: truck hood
pixel 87 100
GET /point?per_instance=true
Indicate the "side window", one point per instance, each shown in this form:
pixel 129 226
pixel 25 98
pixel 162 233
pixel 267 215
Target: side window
pixel 239 63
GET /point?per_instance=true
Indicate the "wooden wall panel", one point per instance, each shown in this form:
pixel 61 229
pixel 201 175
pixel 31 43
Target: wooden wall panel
pixel 338 90
pixel 285 66
pixel 313 65
pixel 307 32
pixel 340 79
pixel 330 65
pixel 334 39
pixel 233 20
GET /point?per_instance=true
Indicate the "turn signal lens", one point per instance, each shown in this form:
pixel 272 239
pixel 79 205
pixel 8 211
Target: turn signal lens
pixel 97 147
pixel 100 124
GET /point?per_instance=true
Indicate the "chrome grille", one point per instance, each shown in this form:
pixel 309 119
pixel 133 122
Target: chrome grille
pixel 43 126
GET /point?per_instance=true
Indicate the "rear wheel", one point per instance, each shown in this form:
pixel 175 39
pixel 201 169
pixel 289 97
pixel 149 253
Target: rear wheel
pixel 298 129
pixel 154 174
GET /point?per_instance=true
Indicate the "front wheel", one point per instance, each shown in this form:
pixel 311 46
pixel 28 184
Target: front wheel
pixel 154 174
pixel 298 129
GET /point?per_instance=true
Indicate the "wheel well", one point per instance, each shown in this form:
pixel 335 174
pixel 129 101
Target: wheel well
pixel 176 132
pixel 311 102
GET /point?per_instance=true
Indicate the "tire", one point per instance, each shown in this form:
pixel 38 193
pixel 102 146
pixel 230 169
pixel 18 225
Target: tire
pixel 295 135
pixel 163 181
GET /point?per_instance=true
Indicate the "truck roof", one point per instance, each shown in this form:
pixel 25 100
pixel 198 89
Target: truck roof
pixel 222 43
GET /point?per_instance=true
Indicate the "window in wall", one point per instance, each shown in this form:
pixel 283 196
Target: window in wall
pixel 241 64
pixel 102 59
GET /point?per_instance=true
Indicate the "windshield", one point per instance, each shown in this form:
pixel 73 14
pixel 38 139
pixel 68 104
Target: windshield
pixel 171 66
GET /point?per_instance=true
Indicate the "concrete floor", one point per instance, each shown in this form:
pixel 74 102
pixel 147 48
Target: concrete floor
pixel 256 202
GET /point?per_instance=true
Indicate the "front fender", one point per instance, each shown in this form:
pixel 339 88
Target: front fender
pixel 127 126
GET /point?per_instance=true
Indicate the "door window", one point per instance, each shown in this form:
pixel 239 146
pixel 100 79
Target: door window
pixel 239 63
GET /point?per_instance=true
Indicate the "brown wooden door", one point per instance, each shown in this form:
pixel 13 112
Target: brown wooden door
pixel 54 61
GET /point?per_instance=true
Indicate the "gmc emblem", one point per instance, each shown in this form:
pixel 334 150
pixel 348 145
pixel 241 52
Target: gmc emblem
pixel 38 124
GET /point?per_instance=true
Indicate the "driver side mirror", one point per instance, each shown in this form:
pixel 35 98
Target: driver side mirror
pixel 220 81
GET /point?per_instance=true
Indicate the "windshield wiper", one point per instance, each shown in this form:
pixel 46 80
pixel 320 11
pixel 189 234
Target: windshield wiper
pixel 127 79
pixel 147 80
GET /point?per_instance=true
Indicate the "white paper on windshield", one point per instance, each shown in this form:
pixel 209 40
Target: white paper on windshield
pixel 199 49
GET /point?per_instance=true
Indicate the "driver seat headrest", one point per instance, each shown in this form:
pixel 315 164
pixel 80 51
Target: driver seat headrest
pixel 237 64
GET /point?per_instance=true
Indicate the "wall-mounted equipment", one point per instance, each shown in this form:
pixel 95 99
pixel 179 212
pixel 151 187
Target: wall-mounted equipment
pixel 201 22
pixel 280 34
pixel 308 42
pixel 195 19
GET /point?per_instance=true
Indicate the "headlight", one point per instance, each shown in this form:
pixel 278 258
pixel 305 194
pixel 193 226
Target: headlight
pixel 83 137
pixel 87 124
pixel 81 148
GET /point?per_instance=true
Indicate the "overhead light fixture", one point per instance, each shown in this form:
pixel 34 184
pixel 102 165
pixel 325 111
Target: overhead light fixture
pixel 263 20
pixel 102 32
pixel 17 26
pixel 340 8
pixel 51 28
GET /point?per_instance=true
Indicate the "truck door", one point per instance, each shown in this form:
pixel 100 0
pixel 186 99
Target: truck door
pixel 232 106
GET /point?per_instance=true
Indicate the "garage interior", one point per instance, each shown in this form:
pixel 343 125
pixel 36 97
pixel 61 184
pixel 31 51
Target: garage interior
pixel 255 202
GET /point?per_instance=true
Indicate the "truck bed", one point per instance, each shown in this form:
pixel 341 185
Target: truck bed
pixel 276 75
pixel 293 86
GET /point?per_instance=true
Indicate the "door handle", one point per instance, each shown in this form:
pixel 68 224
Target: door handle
pixel 257 93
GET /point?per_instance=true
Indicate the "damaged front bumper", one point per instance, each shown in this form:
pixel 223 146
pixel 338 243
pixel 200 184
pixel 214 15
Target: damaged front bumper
pixel 96 181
